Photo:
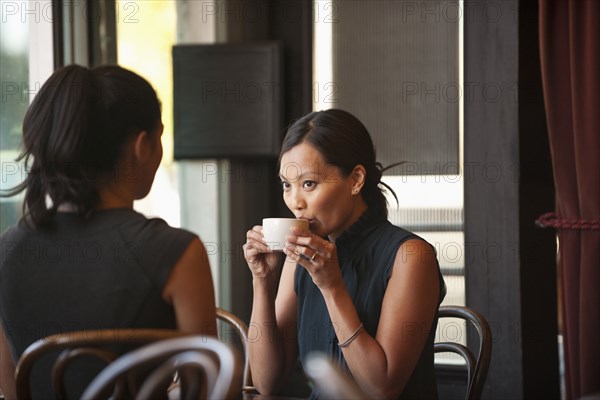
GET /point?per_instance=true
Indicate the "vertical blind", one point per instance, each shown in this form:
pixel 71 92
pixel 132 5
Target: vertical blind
pixel 395 66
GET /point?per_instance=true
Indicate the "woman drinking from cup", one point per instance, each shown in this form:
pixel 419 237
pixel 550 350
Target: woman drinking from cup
pixel 353 286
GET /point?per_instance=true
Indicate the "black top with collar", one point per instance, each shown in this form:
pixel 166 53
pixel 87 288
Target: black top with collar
pixel 366 254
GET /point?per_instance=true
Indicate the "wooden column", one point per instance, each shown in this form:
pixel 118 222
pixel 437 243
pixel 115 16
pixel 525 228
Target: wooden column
pixel 510 263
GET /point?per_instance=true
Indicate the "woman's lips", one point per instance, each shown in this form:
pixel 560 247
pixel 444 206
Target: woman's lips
pixel 311 222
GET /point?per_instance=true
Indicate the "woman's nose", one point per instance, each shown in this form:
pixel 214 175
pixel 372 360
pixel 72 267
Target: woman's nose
pixel 298 202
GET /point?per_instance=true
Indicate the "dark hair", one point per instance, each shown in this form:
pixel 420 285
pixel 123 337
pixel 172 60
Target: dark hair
pixel 344 142
pixel 74 134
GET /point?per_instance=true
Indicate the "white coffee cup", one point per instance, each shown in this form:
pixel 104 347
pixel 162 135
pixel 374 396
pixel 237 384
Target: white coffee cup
pixel 275 230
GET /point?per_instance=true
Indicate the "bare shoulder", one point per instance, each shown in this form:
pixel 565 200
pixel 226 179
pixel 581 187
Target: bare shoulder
pixel 195 252
pixel 414 284
pixel 416 253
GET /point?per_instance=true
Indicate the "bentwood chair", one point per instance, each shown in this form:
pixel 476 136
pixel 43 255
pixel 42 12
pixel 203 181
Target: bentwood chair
pixel 100 345
pixel 477 367
pixel 240 329
pixel 207 368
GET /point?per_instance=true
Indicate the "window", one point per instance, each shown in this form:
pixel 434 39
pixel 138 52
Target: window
pixel 14 75
pixel 145 34
pixel 25 63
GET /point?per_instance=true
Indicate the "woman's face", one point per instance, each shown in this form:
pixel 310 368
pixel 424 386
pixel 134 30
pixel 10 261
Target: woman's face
pixel 316 191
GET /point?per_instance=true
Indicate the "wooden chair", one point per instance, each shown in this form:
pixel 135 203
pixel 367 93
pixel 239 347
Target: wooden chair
pixel 330 381
pixel 477 367
pixel 196 374
pixel 241 330
pixel 208 368
pixel 75 345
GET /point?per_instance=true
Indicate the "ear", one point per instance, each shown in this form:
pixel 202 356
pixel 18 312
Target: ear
pixel 358 175
pixel 141 149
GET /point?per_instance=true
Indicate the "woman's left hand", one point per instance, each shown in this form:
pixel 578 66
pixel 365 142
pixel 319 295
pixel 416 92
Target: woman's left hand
pixel 318 256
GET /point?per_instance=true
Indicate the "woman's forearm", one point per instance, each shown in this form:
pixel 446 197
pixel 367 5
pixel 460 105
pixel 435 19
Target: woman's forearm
pixel 364 355
pixel 265 347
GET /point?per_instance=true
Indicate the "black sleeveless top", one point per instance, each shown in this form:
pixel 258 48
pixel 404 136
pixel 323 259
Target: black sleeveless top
pixel 105 272
pixel 366 254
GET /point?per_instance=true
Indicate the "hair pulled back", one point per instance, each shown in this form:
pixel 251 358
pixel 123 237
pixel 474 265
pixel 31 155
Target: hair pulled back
pixel 74 134
pixel 344 142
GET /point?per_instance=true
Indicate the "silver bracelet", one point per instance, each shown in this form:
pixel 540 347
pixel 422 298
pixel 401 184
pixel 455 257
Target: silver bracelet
pixel 352 337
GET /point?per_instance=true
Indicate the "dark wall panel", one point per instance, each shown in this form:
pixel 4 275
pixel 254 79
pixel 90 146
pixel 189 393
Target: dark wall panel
pixel 228 100
pixel 510 264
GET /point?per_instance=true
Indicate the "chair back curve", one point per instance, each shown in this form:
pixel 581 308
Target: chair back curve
pixel 215 368
pixel 241 330
pixel 74 345
pixel 477 367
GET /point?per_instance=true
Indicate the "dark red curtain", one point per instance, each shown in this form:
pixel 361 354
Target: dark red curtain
pixel 570 58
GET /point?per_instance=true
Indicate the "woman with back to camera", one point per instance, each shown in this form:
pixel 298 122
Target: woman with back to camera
pixel 355 287
pixel 81 257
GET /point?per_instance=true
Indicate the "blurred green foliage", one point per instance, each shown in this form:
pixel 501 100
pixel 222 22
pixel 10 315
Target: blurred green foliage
pixel 14 77
pixel 14 100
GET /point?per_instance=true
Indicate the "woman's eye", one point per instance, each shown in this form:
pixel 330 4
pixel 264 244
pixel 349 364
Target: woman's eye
pixel 309 184
pixel 285 185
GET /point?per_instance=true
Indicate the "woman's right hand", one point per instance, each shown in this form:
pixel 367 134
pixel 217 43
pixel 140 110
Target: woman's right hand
pixel 261 261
